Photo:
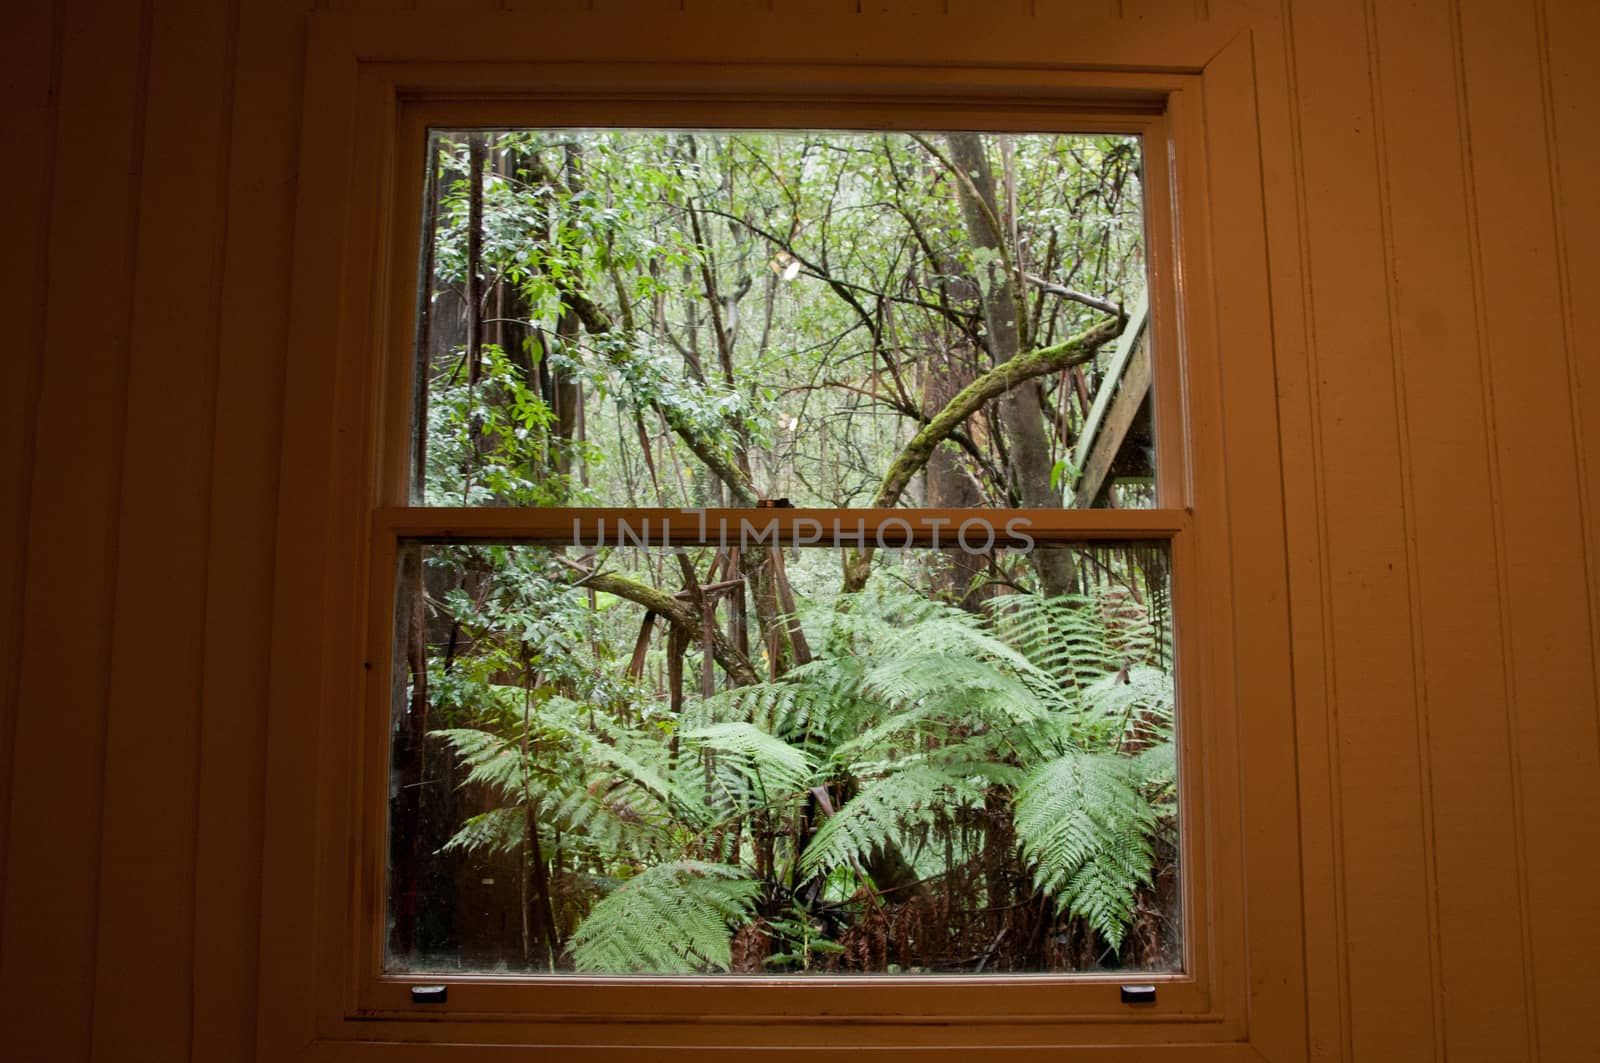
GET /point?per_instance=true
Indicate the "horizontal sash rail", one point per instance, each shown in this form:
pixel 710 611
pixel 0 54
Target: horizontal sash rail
pixel 885 528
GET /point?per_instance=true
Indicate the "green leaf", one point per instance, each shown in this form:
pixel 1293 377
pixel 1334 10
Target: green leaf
pixel 674 918
pixel 775 765
pixel 1085 828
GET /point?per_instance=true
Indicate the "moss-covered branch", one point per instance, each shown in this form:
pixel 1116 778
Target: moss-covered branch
pixel 987 387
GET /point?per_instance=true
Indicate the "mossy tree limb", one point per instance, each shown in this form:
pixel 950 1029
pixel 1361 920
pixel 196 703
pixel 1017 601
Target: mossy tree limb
pixel 914 456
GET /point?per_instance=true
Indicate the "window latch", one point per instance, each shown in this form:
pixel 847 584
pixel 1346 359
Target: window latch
pixel 430 994
pixel 1138 994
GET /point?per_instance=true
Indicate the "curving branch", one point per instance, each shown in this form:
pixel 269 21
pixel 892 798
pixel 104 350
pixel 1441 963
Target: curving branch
pixel 597 321
pixel 945 424
pixel 988 386
pixel 959 436
pixel 682 614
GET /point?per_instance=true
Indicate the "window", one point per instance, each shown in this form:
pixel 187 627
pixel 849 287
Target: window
pixel 709 736
pixel 460 535
pixel 870 685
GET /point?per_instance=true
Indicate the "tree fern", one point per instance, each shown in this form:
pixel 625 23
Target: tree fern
pixel 1085 827
pixel 884 809
pixel 797 705
pixel 921 720
pixel 1130 708
pixel 776 767
pixel 497 830
pixel 499 761
pixel 1064 637
pixel 606 797
pixel 674 918
pixel 1157 765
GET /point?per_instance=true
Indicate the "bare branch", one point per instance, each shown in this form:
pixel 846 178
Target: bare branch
pixel 1105 306
pixel 682 614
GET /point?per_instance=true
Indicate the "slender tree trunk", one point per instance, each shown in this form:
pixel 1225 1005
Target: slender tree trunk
pixel 535 902
pixel 1021 418
pixel 563 393
pixel 476 156
pixel 757 568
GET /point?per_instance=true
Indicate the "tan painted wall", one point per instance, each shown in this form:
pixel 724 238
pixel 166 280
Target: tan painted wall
pixel 1430 189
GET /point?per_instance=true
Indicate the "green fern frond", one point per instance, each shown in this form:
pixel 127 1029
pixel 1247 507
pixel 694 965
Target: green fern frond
pixel 1085 828
pixel 674 918
pixel 881 811
pixel 1066 638
pixel 498 830
pixel 1131 707
pixel 814 702
pixel 773 764
pixel 495 761
pixel 638 772
pixel 1157 765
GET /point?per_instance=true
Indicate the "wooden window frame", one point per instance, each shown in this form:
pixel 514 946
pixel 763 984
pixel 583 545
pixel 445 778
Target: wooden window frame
pixel 373 89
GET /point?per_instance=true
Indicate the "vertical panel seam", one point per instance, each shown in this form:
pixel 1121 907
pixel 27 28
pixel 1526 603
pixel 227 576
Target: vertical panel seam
pixel 298 77
pixel 1497 508
pixel 1416 620
pixel 1568 331
pixel 30 444
pixel 1235 664
pixel 114 525
pixel 1319 492
pixel 1283 535
pixel 219 258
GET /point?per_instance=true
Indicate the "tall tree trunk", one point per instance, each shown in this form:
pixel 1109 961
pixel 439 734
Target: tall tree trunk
pixel 476 156
pixel 1021 418
pixel 564 394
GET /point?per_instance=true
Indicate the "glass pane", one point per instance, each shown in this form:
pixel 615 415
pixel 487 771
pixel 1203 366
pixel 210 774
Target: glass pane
pixel 646 761
pixel 950 320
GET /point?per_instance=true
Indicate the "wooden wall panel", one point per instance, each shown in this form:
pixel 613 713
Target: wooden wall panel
pixel 147 839
pixel 244 476
pixel 814 7
pixel 1454 551
pixel 1253 475
pixel 288 952
pixel 462 6
pixel 1388 927
pixel 1569 33
pixel 1284 181
pixel 27 74
pixel 1545 588
pixel 53 866
pixel 1138 11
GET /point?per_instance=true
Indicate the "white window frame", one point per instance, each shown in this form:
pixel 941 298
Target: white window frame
pixel 373 88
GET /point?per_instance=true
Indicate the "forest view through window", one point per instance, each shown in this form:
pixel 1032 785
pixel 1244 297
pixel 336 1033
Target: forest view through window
pixel 862 691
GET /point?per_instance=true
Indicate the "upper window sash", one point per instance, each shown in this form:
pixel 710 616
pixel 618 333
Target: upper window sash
pixel 829 320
